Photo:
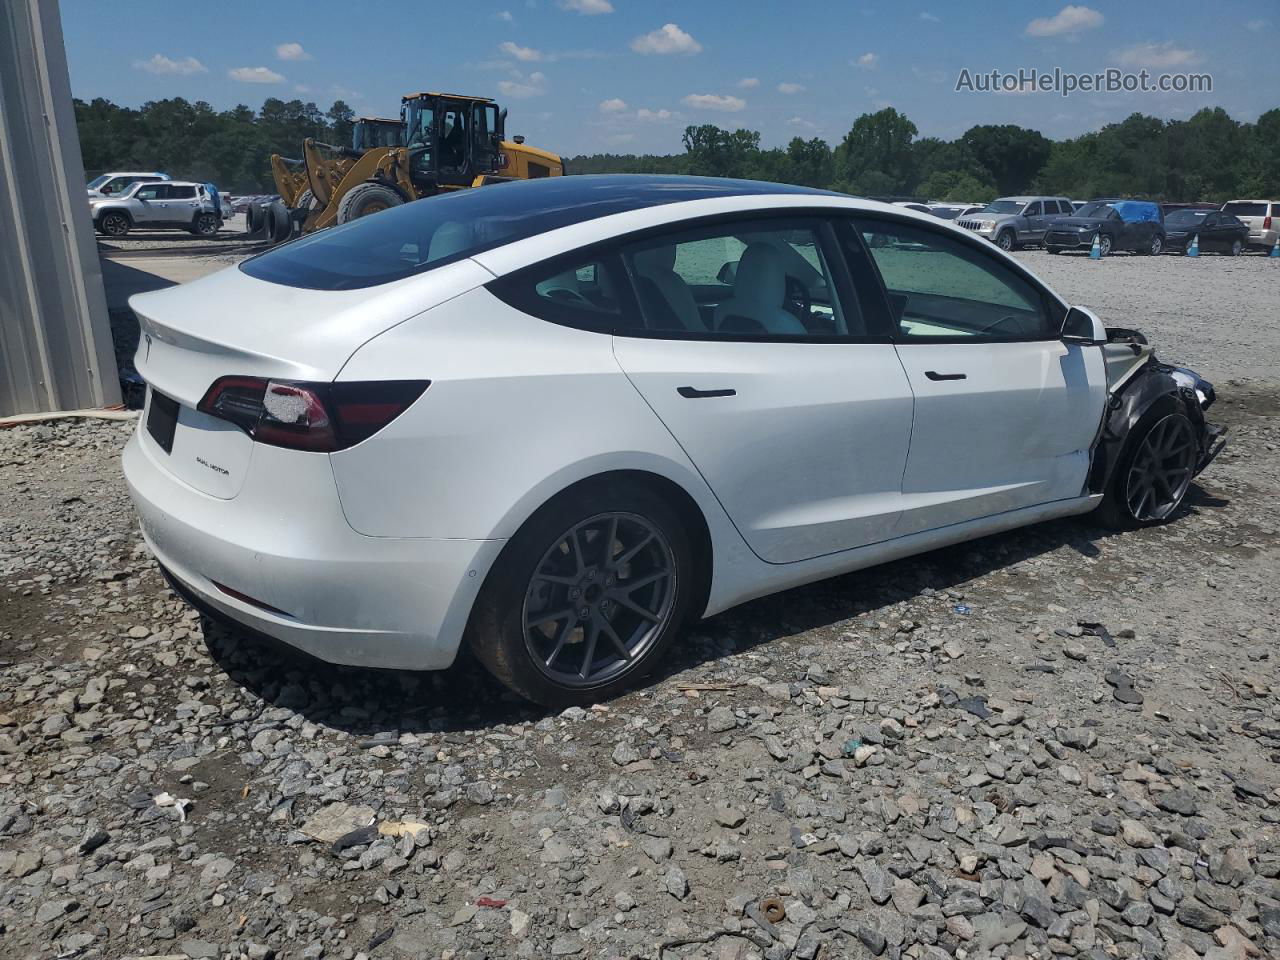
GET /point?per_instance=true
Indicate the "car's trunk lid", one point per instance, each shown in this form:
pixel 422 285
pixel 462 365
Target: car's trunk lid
pixel 230 324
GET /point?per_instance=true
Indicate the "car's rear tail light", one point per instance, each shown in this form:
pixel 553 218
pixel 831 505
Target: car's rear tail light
pixel 321 417
pixel 1266 223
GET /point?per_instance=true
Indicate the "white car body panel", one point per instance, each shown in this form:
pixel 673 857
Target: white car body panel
pixel 1015 432
pixel 807 456
pixel 375 554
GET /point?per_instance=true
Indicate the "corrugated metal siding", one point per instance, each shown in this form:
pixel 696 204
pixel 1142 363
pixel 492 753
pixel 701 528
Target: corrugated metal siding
pixel 55 335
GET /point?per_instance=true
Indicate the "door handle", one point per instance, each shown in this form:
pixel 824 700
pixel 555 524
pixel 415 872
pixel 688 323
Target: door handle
pixel 691 393
pixel 935 375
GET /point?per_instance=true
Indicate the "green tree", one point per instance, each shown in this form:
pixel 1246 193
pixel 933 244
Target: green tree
pixel 1013 154
pixel 341 119
pixel 714 152
pixel 875 155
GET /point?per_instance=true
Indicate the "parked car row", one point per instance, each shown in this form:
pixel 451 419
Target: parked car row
pixel 1138 226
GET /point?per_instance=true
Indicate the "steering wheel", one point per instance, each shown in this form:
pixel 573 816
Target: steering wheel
pixel 565 295
pixel 797 295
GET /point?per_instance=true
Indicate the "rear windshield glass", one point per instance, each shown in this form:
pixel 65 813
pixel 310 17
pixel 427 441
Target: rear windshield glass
pixel 1241 209
pixel 419 236
pixel 1180 217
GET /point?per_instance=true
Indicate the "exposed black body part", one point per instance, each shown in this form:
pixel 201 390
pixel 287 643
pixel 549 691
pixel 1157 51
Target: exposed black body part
pixel 1148 408
pixel 1217 232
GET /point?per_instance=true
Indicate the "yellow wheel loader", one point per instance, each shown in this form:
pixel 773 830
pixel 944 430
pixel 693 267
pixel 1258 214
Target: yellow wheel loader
pixel 450 142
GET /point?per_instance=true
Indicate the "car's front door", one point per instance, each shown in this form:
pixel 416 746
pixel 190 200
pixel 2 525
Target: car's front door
pixel 147 204
pixel 1036 222
pixel 1005 411
pixel 752 349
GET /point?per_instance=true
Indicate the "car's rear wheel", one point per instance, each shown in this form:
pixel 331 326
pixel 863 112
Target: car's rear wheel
pixel 1153 473
pixel 1236 248
pixel 114 224
pixel 1157 246
pixel 587 597
pixel 1004 240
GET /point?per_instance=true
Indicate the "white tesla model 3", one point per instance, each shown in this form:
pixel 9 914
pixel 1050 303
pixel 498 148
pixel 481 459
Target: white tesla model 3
pixel 555 419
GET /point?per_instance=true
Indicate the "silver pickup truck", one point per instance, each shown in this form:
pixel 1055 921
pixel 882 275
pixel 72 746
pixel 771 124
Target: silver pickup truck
pixel 1011 222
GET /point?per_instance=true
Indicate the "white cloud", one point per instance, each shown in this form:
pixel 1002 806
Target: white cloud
pixel 644 113
pixel 1159 55
pixel 790 88
pixel 301 88
pixel 868 61
pixel 928 17
pixel 534 85
pixel 526 54
pixel 255 75
pixel 670 39
pixel 505 16
pixel 746 83
pixel 1068 21
pixel 612 105
pixel 1256 26
pixel 162 64
pixel 800 123
pixel 714 101
pixel 619 138
pixel 292 51
pixel 588 8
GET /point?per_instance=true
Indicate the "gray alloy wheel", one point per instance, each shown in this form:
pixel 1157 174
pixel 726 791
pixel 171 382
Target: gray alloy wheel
pixel 1161 469
pixel 1157 246
pixel 599 599
pixel 1104 245
pixel 1236 248
pixel 114 224
pixel 206 225
pixel 1004 240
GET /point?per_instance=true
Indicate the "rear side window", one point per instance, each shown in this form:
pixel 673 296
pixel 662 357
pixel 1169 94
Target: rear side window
pixel 583 291
pixel 181 193
pixel 1241 208
pixel 940 288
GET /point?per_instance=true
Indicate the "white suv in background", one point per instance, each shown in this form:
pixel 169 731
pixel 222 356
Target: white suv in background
pixel 1262 217
pixel 170 203
pixel 117 182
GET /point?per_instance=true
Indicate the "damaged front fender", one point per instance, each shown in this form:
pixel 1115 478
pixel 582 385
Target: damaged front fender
pixel 1140 387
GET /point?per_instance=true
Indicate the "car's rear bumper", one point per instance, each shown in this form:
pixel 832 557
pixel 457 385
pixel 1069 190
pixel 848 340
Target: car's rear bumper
pixel 281 559
pixel 1263 238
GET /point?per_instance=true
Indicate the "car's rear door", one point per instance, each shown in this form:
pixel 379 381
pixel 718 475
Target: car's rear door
pixel 1005 411
pixel 794 410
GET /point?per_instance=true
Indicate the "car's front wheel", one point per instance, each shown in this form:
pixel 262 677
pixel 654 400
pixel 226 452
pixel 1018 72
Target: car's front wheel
pixel 587 597
pixel 1157 246
pixel 1005 240
pixel 114 224
pixel 1153 474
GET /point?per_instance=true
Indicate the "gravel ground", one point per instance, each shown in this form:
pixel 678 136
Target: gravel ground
pixel 931 759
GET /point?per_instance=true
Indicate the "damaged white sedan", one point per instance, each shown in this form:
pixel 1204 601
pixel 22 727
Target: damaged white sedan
pixel 554 420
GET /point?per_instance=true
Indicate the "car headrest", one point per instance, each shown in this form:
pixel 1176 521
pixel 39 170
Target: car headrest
pixel 760 276
pixel 655 260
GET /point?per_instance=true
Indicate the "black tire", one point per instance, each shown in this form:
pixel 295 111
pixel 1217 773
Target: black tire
pixel 366 199
pixel 499 637
pixel 1005 241
pixel 205 225
pixel 113 224
pixel 1116 510
pixel 306 201
pixel 279 225
pixel 1104 245
pixel 1235 249
pixel 1156 247
pixel 1054 249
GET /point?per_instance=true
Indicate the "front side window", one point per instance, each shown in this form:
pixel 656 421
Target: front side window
pixel 150 191
pixel 940 288
pixel 740 280
pixel 1033 210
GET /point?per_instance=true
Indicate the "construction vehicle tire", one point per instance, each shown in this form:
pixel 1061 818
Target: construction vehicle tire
pixel 278 224
pixel 365 199
pixel 306 201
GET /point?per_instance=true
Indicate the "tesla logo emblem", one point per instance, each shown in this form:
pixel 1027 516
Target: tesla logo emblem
pixel 148 339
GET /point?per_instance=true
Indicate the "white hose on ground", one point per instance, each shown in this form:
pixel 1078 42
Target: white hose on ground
pixel 19 419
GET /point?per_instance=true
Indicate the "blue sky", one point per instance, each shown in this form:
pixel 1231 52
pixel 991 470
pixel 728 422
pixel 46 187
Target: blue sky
pixel 586 76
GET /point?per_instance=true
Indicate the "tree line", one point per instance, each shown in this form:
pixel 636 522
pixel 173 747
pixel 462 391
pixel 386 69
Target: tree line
pixel 1210 156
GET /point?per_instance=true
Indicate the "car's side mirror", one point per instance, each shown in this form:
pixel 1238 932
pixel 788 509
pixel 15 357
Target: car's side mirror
pixel 728 273
pixel 1083 326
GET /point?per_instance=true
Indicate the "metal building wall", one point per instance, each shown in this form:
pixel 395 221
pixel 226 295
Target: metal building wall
pixel 55 335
